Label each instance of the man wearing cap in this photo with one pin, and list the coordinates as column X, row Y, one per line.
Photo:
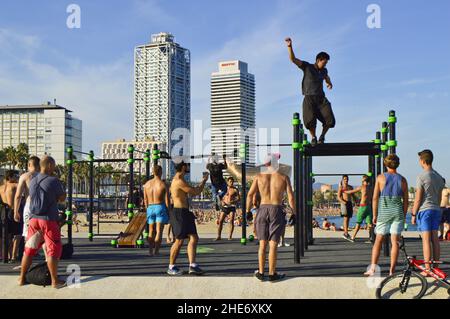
column 426, row 210
column 271, row 218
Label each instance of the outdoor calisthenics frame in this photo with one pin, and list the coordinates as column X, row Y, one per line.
column 303, row 153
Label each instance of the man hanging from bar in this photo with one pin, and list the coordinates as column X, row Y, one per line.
column 315, row 105
column 218, row 184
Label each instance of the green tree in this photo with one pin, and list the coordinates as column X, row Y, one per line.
column 11, row 156
column 22, row 155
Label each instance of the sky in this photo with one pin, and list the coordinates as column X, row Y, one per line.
column 403, row 65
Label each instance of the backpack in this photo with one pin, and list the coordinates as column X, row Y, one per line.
column 39, row 275
column 67, row 251
column 38, row 198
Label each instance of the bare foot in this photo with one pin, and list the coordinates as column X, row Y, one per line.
column 59, row 284
column 369, row 273
column 22, row 281
column 217, row 239
column 230, row 238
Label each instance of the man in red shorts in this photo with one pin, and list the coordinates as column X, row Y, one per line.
column 45, row 193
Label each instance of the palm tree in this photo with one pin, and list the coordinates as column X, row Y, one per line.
column 23, row 155
column 11, row 155
column 3, row 159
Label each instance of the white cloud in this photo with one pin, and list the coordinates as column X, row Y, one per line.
column 100, row 95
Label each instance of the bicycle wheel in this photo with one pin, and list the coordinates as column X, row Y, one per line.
column 390, row 287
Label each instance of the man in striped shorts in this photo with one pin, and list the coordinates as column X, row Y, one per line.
column 390, row 204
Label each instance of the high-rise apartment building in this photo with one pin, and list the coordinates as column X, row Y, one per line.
column 47, row 129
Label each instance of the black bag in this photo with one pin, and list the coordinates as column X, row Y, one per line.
column 39, row 275
column 67, row 251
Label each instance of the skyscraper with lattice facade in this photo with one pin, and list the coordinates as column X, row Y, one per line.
column 162, row 90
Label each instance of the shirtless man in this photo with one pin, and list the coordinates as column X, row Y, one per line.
column 445, row 208
column 182, row 220
column 23, row 191
column 346, row 204
column 271, row 219
column 229, row 202
column 156, row 199
column 365, row 206
column 8, row 191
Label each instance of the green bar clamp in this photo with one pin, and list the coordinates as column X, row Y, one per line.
column 392, row 119
column 69, row 150
column 146, row 159
column 377, row 141
column 139, row 242
column 155, row 152
column 377, row 156
column 296, row 145
column 369, row 174
column 305, row 142
column 69, row 162
column 384, row 147
column 130, row 149
column 113, row 242
column 391, row 143
column 69, row 222
column 130, row 161
column 130, row 215
column 311, row 174
column 68, row 213
column 384, row 130
column 295, row 121
column 145, row 235
column 90, row 235
column 131, row 206
column 309, row 203
column 155, row 157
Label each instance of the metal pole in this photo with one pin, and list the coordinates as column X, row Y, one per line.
column 392, row 143
column 297, row 146
column 131, row 188
column 310, row 211
column 243, row 155
column 384, row 151
column 303, row 187
column 378, row 156
column 147, row 178
column 91, row 196
column 69, row 194
column 5, row 241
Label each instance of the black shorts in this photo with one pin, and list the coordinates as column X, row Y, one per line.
column 347, row 209
column 445, row 215
column 317, row 107
column 14, row 228
column 228, row 209
column 183, row 223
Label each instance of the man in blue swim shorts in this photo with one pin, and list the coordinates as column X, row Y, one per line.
column 426, row 210
column 156, row 199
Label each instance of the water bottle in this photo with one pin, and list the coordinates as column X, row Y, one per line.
column 406, row 226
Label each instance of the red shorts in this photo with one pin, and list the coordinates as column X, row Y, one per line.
column 40, row 232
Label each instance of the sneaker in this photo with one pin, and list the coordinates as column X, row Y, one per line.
column 175, row 271
column 259, row 276
column 346, row 237
column 217, row 207
column 314, row 141
column 196, row 271
column 276, row 277
column 321, row 139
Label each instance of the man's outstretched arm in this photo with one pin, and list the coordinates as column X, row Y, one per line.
column 292, row 57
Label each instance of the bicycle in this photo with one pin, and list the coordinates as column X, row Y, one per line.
column 410, row 283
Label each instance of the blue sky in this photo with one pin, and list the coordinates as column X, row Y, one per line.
column 403, row 65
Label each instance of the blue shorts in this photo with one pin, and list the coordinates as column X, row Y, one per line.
column 429, row 220
column 219, row 190
column 157, row 213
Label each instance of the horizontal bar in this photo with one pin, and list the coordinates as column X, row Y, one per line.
column 314, row 174
column 266, row 145
column 105, row 185
column 342, row 149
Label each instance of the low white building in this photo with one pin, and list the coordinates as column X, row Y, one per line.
column 47, row 129
column 119, row 150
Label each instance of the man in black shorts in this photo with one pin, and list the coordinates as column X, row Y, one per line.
column 183, row 220
column 345, row 198
column 229, row 202
column 315, row 105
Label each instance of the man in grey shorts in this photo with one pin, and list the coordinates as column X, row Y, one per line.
column 271, row 219
column 315, row 105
